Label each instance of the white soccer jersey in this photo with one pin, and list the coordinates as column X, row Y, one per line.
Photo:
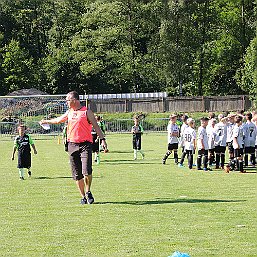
column 171, row 129
column 220, row 134
column 211, row 136
column 256, row 136
column 202, row 135
column 188, row 138
column 182, row 129
column 250, row 134
column 230, row 127
column 238, row 133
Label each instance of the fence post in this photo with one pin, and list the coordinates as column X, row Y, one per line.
column 243, row 102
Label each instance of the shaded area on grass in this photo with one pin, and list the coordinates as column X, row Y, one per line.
column 172, row 201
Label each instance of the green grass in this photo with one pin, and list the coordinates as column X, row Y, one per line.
column 142, row 208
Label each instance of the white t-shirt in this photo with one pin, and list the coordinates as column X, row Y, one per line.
column 238, row 133
column 172, row 128
column 202, row 135
column 211, row 136
column 230, row 127
column 220, row 134
column 188, row 138
column 250, row 134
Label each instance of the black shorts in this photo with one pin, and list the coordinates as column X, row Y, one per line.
column 230, row 148
column 220, row 149
column 24, row 160
column 202, row 152
column 249, row 149
column 136, row 143
column 239, row 152
column 173, row 146
column 80, row 159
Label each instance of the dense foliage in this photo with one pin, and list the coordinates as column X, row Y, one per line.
column 189, row 47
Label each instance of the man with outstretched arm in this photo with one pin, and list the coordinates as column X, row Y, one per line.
column 80, row 121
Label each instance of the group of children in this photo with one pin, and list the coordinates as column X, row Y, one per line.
column 212, row 139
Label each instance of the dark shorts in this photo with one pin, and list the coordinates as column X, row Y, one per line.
column 173, row 146
column 80, row 159
column 24, row 160
column 239, row 152
column 220, row 149
column 230, row 148
column 202, row 152
column 136, row 142
column 249, row 149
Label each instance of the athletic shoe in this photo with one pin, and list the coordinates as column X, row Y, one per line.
column 83, row 201
column 21, row 178
column 29, row 173
column 199, row 169
column 90, row 198
column 180, row 165
column 207, row 169
column 163, row 161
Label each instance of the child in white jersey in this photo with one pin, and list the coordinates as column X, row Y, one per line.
column 211, row 137
column 250, row 138
column 202, row 145
column 189, row 142
column 238, row 142
column 220, row 141
column 173, row 134
column 230, row 127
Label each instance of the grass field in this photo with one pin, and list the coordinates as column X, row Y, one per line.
column 142, row 208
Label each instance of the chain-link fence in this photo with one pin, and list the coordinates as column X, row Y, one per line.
column 29, row 110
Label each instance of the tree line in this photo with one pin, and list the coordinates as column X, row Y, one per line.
column 184, row 47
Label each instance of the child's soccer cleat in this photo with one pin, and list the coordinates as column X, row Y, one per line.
column 163, row 161
column 180, row 165
column 83, row 201
column 90, row 198
column 29, row 173
column 21, row 178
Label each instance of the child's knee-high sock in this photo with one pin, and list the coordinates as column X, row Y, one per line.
column 222, row 160
column 246, row 159
column 182, row 157
column 190, row 160
column 166, row 155
column 21, row 172
column 176, row 156
column 199, row 161
column 253, row 159
column 135, row 154
column 217, row 161
column 241, row 166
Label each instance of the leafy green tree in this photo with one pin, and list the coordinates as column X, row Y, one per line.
column 17, row 68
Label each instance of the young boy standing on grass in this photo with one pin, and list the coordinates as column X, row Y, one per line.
column 137, row 131
column 173, row 134
column 238, row 142
column 189, row 140
column 22, row 143
column 202, row 145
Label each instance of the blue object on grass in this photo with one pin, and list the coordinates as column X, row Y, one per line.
column 179, row 254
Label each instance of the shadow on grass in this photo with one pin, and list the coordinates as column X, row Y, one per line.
column 51, row 177
column 96, row 176
column 166, row 201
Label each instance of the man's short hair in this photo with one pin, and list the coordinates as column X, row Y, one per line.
column 74, row 95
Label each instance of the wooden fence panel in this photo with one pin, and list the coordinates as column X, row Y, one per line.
column 172, row 104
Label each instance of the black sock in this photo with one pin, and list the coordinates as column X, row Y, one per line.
column 166, row 155
column 217, row 161
column 246, row 160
